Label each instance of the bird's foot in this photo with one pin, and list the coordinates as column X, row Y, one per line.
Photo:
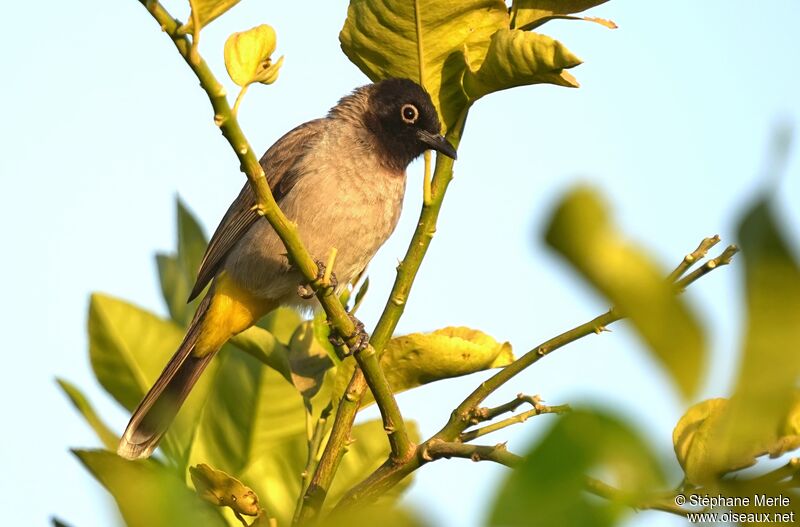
column 306, row 291
column 360, row 334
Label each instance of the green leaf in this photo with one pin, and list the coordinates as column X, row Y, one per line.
column 222, row 489
column 253, row 427
column 547, row 489
column 178, row 272
column 362, row 293
column 128, row 348
column 282, row 323
column 175, row 288
column 309, row 360
column 148, row 494
column 467, row 49
column 530, row 14
column 765, row 393
column 581, row 231
column 207, row 10
column 262, row 345
column 82, row 404
column 421, row 358
column 192, row 242
column 226, row 426
column 247, row 56
column 517, row 58
column 380, row 37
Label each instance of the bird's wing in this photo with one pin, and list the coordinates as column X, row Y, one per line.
column 279, row 163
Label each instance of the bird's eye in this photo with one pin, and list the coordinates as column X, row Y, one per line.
column 409, row 113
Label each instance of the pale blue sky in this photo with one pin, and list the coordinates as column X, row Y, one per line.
column 104, row 124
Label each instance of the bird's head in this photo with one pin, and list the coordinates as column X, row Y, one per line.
column 401, row 115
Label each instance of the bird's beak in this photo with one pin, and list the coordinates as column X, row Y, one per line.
column 437, row 142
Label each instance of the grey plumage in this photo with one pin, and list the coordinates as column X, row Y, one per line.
column 341, row 179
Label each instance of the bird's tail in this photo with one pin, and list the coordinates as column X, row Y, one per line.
column 158, row 409
column 226, row 310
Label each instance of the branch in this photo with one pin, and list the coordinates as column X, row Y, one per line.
column 790, row 470
column 598, row 488
column 317, row 491
column 723, row 259
column 693, row 257
column 538, row 409
column 287, row 230
column 437, row 449
column 388, row 474
column 479, row 415
column 314, row 443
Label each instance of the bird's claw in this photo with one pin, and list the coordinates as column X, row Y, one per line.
column 306, row 291
column 359, row 334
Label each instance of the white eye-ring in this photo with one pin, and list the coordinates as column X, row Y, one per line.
column 409, row 113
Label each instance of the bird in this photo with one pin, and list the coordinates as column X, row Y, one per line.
column 341, row 179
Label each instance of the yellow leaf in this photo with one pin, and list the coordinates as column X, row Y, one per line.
column 421, row 358
column 207, row 10
column 247, row 56
column 380, row 37
column 530, row 14
column 222, row 489
column 707, row 450
column 517, row 58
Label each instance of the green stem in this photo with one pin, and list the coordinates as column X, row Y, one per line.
column 470, row 435
column 435, row 449
column 235, row 110
column 314, row 443
column 598, row 488
column 317, row 491
column 693, row 257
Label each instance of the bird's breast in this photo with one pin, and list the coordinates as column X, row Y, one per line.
column 345, row 198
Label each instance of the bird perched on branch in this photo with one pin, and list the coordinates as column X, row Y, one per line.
column 341, row 179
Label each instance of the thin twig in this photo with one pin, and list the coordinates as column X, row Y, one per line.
column 479, row 415
column 790, row 470
column 598, row 488
column 710, row 265
column 314, row 444
column 437, row 449
column 539, row 409
column 693, row 257
column 315, row 494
